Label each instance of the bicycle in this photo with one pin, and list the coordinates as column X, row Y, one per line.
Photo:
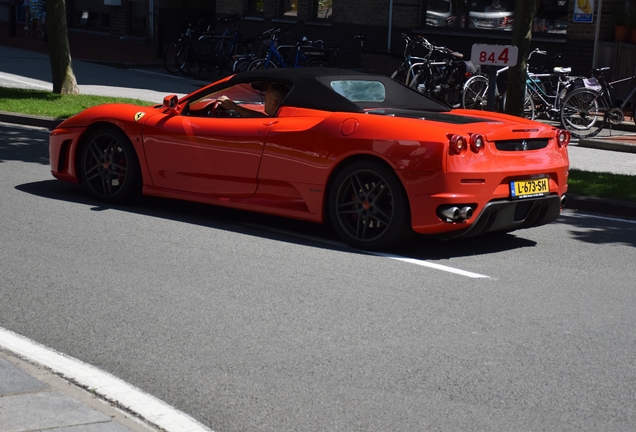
column 210, row 52
column 440, row 73
column 375, row 62
column 306, row 53
column 175, row 57
column 542, row 95
column 588, row 109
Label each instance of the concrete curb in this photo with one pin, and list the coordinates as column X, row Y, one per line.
column 601, row 205
column 29, row 120
column 607, row 144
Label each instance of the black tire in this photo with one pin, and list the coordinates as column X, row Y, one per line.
column 583, row 113
column 368, row 206
column 475, row 93
column 109, row 167
column 174, row 57
column 261, row 63
column 529, row 110
column 200, row 60
column 452, row 96
column 317, row 63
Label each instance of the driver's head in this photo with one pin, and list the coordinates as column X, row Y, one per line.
column 274, row 94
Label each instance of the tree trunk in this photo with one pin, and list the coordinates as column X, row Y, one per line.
column 64, row 81
column 521, row 38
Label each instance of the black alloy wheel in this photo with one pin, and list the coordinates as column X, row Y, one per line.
column 368, row 206
column 109, row 167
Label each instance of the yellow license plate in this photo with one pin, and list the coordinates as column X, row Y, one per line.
column 529, row 188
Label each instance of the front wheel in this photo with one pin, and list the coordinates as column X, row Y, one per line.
column 368, row 206
column 109, row 168
column 583, row 113
column 174, row 59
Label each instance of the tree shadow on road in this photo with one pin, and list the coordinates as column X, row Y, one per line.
column 600, row 229
column 16, row 145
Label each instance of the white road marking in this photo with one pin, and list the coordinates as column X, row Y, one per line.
column 433, row 266
column 570, row 213
column 395, row 257
column 102, row 383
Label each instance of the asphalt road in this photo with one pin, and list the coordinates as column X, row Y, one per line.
column 249, row 322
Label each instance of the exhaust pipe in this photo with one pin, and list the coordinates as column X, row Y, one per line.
column 451, row 213
column 564, row 200
column 466, row 213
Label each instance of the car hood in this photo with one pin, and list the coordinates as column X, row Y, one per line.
column 112, row 113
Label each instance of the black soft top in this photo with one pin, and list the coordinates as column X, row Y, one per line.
column 310, row 88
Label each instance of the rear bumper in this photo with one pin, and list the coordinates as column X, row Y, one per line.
column 510, row 215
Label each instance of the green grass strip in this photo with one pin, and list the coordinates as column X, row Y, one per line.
column 48, row 104
column 602, row 185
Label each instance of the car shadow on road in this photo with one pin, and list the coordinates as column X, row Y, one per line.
column 273, row 227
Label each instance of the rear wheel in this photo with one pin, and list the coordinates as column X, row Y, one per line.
column 475, row 93
column 261, row 63
column 200, row 68
column 529, row 110
column 583, row 113
column 109, row 167
column 317, row 63
column 368, row 206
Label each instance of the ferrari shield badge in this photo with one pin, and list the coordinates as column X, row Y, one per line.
column 139, row 115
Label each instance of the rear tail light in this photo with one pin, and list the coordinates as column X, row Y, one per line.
column 563, row 137
column 457, row 143
column 477, row 142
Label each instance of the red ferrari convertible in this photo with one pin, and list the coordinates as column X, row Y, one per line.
column 372, row 157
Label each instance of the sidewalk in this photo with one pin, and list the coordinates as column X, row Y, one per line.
column 91, row 46
column 33, row 398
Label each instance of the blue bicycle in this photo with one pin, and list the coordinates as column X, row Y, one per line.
column 304, row 53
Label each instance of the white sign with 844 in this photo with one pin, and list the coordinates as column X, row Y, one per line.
column 494, row 55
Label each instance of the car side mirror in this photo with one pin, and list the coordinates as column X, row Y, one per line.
column 171, row 104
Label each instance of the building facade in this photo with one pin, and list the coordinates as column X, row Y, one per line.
column 576, row 29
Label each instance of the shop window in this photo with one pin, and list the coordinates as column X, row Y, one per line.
column 446, row 13
column 255, row 7
column 322, row 9
column 551, row 17
column 289, row 8
column 496, row 15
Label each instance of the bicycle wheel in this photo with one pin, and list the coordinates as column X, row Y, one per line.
column 174, row 57
column 528, row 106
column 475, row 93
column 261, row 63
column 241, row 65
column 452, row 96
column 198, row 67
column 583, row 113
column 316, row 63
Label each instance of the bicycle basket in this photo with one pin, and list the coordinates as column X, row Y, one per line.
column 588, row 83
